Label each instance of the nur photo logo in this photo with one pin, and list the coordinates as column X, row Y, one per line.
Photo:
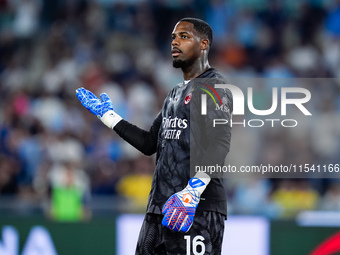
column 243, row 104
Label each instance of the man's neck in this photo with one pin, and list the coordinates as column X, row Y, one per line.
column 195, row 70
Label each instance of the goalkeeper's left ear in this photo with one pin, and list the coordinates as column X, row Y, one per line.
column 102, row 108
column 180, row 209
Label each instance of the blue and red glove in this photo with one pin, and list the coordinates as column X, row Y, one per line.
column 180, row 208
column 102, row 108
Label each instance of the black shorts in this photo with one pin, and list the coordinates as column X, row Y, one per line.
column 204, row 237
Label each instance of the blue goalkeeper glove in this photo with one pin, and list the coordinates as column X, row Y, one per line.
column 102, row 108
column 180, row 208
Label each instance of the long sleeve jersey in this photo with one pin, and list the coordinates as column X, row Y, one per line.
column 184, row 138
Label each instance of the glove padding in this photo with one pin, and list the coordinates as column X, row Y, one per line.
column 102, row 108
column 180, row 208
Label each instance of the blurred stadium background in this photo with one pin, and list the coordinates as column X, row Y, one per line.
column 69, row 181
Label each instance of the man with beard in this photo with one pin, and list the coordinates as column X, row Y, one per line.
column 184, row 214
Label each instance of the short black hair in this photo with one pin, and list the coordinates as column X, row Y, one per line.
column 201, row 27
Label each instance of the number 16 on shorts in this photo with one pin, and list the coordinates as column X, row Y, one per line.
column 198, row 247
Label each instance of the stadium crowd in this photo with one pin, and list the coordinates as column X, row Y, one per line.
column 50, row 48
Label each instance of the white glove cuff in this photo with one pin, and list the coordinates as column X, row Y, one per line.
column 111, row 119
column 199, row 182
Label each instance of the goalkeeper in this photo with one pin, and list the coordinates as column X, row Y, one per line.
column 184, row 215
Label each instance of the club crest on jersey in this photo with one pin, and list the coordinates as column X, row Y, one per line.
column 188, row 98
column 187, row 198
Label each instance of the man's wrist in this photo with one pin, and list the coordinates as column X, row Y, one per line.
column 110, row 119
column 199, row 182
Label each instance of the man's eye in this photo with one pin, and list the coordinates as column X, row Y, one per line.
column 184, row 36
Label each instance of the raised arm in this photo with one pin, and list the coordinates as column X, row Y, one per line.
column 142, row 140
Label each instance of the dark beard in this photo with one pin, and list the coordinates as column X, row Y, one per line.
column 177, row 63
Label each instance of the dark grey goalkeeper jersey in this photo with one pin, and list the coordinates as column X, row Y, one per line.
column 184, row 138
